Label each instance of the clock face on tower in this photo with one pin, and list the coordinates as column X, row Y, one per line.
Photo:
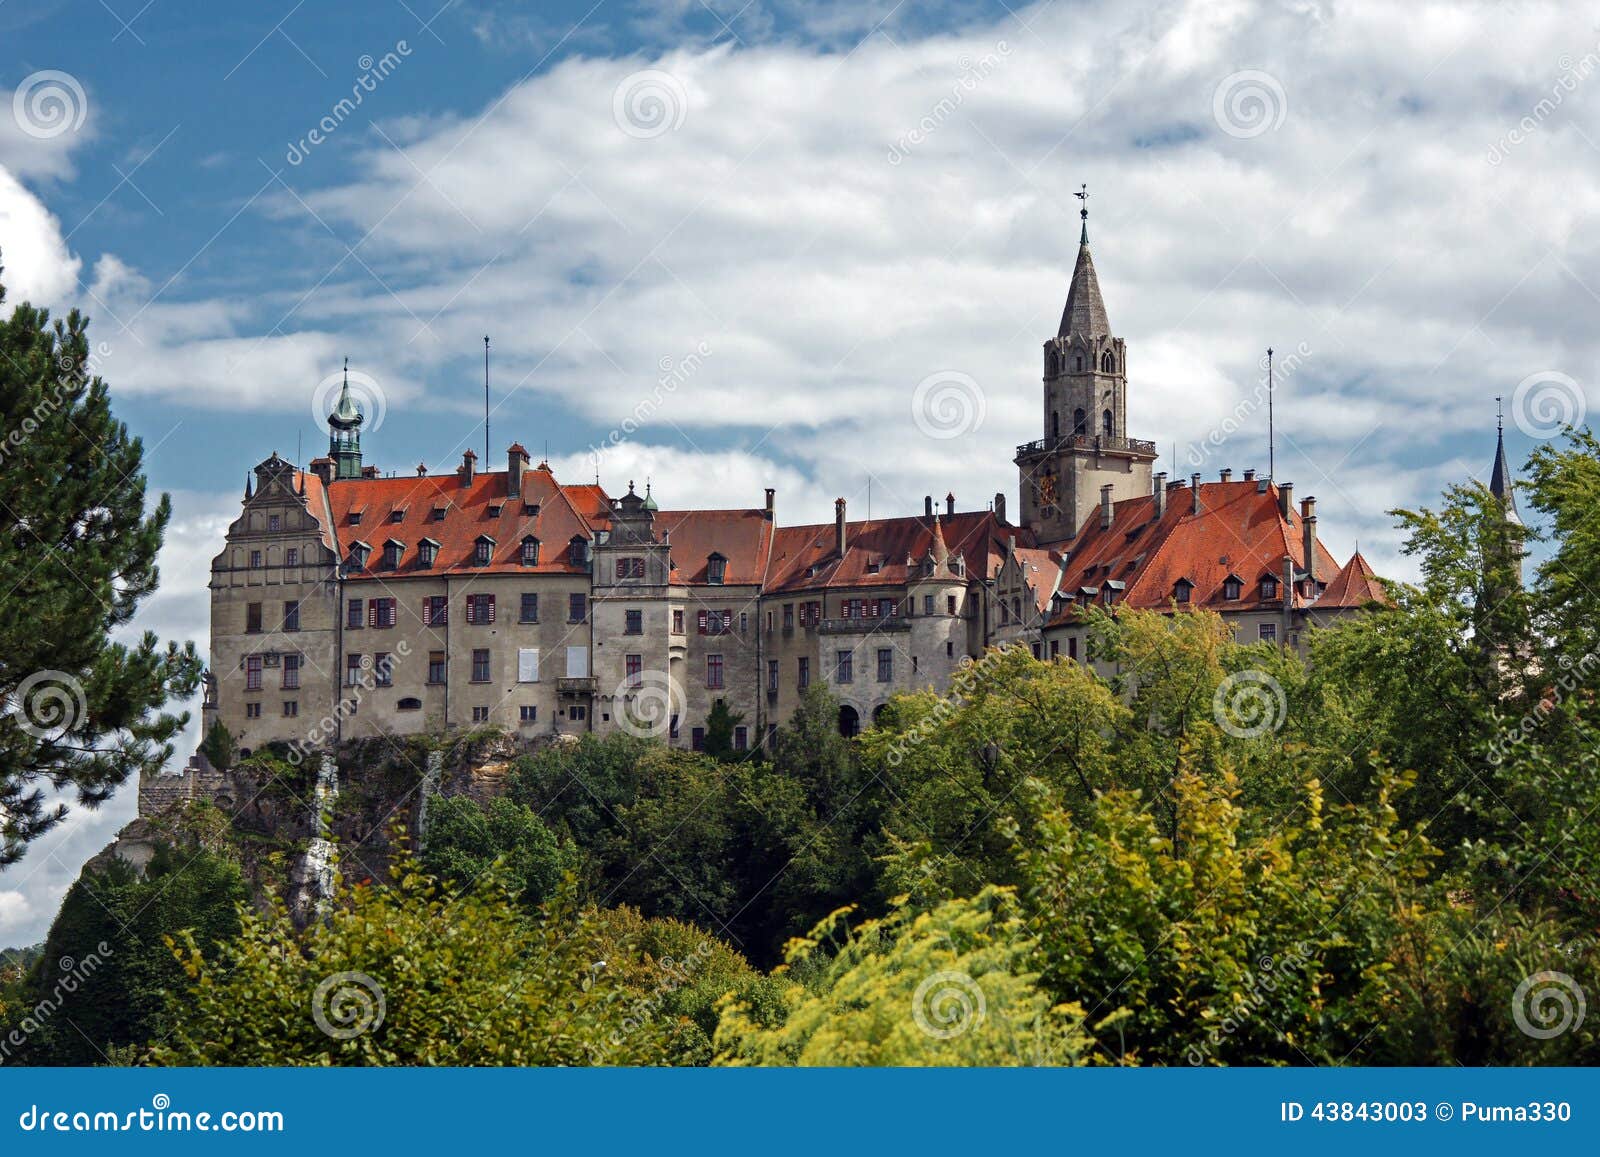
column 1047, row 493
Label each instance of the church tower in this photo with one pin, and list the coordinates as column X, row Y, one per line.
column 1085, row 445
column 344, row 432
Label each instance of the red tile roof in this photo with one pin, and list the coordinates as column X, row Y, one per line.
column 885, row 543
column 1041, row 567
column 743, row 537
column 1239, row 532
column 1354, row 586
column 467, row 515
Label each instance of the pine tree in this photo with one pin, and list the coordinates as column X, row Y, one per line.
column 77, row 557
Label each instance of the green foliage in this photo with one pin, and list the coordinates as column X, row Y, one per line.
column 409, row 974
column 719, row 732
column 466, row 839
column 218, row 746
column 950, row 986
column 78, row 556
column 106, row 970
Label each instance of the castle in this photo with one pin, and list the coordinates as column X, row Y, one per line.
column 345, row 604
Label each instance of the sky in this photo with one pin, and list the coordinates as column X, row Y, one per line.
column 725, row 245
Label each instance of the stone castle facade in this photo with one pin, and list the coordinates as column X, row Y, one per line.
column 345, row 604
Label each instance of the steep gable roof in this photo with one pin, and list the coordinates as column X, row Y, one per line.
column 1354, row 586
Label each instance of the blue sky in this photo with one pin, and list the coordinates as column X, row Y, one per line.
column 842, row 230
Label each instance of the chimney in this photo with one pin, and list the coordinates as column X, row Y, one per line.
column 1106, row 512
column 1000, row 507
column 468, row 467
column 838, row 527
column 1249, row 475
column 927, row 506
column 422, row 469
column 516, row 463
column 1194, row 484
column 1308, row 534
column 949, row 505
column 771, row 496
column 1288, row 600
column 1285, row 499
column 1161, row 494
column 1226, row 475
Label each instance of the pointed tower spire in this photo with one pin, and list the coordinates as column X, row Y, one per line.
column 1500, row 481
column 1085, row 314
column 249, row 493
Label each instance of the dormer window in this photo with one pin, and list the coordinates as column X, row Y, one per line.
column 398, row 514
column 392, row 550
column 355, row 518
column 873, row 567
column 427, row 552
column 494, row 509
column 530, row 508
column 530, row 551
column 577, row 551
column 716, row 569
column 358, row 554
column 1269, row 587
column 483, row 550
column 438, row 513
column 1231, row 588
column 1181, row 590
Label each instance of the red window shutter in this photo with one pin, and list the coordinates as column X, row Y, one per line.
column 490, row 599
column 372, row 613
column 703, row 618
column 472, row 608
column 427, row 611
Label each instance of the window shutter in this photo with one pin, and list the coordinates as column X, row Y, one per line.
column 427, row 611
column 372, row 613
column 491, row 607
column 577, row 662
column 703, row 622
column 527, row 664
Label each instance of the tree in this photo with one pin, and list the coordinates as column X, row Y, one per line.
column 218, row 746
column 466, row 839
column 408, row 973
column 719, row 732
column 76, row 559
column 950, row 986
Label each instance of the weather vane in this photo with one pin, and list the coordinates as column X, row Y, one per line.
column 1083, row 196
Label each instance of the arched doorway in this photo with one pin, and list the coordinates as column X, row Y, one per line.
column 849, row 721
column 877, row 713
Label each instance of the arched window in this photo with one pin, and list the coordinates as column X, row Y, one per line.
column 1080, row 363
column 1080, row 426
column 1106, row 421
column 1055, row 423
column 849, row 721
column 1108, row 363
column 409, row 704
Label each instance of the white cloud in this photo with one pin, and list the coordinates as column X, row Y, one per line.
column 37, row 264
column 14, row 910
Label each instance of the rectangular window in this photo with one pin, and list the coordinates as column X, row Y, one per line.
column 291, row 616
column 252, row 711
column 788, row 616
column 252, row 673
column 714, row 672
column 480, row 609
column 634, row 665
column 578, row 714
column 885, row 664
column 950, row 650
column 274, row 522
column 950, row 604
column 380, row 613
column 435, row 611
column 1037, row 653
column 528, row 713
column 927, row 604
column 255, row 559
column 1072, row 647
column 672, row 728
column 435, row 667
column 697, row 738
column 772, row 674
column 383, row 669
column 352, row 670
column 1269, row 632
column 677, row 622
column 1055, row 648
column 577, row 662
column 630, row 568
column 291, row 672
column 480, row 552
column 744, row 622
column 741, row 738
column 291, row 708
column 885, row 608
column 252, row 618
column 803, row 679
column 291, row 557
column 633, row 623
column 530, row 608
column 527, row 664
column 354, row 616
column 480, row 665
column 577, row 609
column 480, row 715
column 843, row 667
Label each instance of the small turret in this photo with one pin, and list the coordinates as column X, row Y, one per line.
column 344, row 432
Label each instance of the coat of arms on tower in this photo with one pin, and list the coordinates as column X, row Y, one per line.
column 1047, row 493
